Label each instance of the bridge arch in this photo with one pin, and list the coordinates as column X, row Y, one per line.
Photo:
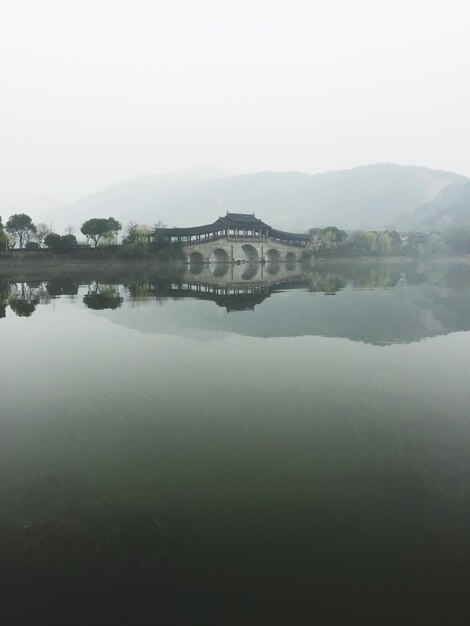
column 250, row 271
column 219, row 255
column 249, row 252
column 219, row 269
column 273, row 255
column 196, row 257
column 290, row 257
column 272, row 267
column 196, row 268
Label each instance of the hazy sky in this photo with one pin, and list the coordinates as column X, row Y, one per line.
column 96, row 91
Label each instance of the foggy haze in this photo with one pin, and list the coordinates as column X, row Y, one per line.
column 94, row 92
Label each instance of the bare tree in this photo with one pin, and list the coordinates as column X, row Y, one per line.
column 42, row 230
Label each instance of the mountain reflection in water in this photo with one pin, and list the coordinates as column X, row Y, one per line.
column 380, row 304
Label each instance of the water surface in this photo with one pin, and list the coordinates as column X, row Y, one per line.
column 235, row 444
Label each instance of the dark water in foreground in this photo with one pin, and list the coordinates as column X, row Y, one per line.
column 277, row 445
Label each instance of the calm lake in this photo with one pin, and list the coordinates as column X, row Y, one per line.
column 240, row 445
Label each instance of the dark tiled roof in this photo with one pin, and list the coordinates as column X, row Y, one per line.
column 232, row 221
column 192, row 230
column 243, row 220
column 280, row 234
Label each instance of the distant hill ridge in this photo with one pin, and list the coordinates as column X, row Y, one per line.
column 372, row 196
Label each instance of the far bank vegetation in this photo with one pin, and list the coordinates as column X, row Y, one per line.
column 105, row 237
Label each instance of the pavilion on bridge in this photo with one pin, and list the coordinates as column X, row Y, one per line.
column 233, row 226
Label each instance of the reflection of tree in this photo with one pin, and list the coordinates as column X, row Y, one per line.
column 22, row 308
column 139, row 290
column 149, row 288
column 334, row 280
column 62, row 287
column 373, row 277
column 458, row 276
column 102, row 297
column 24, row 298
column 328, row 282
column 21, row 297
column 4, row 293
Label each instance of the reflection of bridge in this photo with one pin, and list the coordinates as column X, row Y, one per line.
column 235, row 287
column 236, row 237
column 223, row 274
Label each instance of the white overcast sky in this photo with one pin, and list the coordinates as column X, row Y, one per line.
column 96, row 91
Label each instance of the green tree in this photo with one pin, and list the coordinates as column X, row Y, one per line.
column 332, row 237
column 52, row 241
column 435, row 245
column 369, row 242
column 60, row 243
column 137, row 233
column 3, row 238
column 68, row 242
column 98, row 228
column 326, row 239
column 31, row 245
column 21, row 227
column 395, row 238
column 384, row 243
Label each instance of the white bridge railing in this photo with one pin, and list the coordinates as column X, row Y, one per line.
column 247, row 239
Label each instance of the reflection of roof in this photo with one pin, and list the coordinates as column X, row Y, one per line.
column 232, row 221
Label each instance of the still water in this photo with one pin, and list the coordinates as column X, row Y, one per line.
column 235, row 445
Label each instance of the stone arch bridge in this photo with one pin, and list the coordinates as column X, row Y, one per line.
column 237, row 237
column 245, row 251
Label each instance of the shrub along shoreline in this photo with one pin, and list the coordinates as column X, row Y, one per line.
column 85, row 257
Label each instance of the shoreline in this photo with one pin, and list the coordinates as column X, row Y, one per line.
column 70, row 262
column 112, row 268
column 65, row 262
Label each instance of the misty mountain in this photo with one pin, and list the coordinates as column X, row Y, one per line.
column 449, row 209
column 369, row 196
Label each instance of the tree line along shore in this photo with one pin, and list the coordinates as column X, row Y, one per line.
column 104, row 239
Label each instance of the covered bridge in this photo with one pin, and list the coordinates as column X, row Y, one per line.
column 233, row 226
